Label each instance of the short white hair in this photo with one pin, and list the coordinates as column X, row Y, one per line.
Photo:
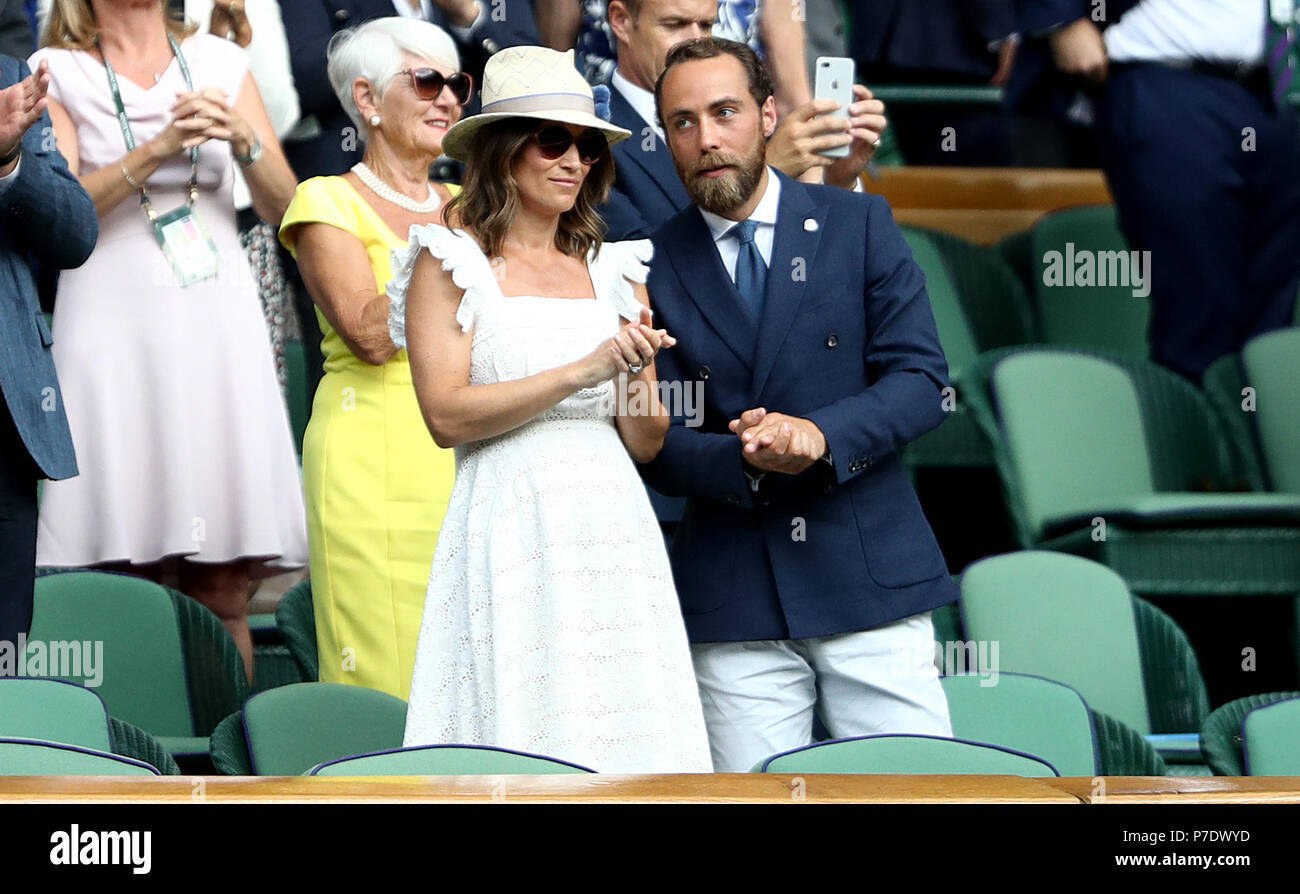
column 373, row 51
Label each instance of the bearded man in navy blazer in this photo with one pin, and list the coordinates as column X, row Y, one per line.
column 805, row 567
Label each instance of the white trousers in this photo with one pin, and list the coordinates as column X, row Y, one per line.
column 759, row 696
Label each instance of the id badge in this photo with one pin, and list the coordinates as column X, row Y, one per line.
column 187, row 245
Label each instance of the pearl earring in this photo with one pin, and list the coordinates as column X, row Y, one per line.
column 375, row 120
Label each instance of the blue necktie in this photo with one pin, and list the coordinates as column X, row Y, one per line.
column 751, row 272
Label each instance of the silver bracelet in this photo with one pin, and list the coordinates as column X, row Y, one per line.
column 127, row 174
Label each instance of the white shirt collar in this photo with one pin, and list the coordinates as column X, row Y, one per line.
column 406, row 11
column 764, row 211
column 640, row 99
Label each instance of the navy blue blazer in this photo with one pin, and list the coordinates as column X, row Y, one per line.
column 647, row 191
column 847, row 340
column 311, row 23
column 45, row 216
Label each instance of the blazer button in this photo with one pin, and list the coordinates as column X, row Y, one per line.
column 342, row 15
column 704, row 372
column 832, row 340
column 490, row 45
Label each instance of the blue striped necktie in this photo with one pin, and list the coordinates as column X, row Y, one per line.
column 751, row 271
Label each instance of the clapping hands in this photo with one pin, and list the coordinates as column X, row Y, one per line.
column 21, row 106
column 775, row 442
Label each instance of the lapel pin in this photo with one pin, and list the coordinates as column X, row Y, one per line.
column 810, row 225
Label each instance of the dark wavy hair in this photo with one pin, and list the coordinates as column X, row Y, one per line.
column 489, row 197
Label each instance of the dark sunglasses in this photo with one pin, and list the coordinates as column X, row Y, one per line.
column 428, row 83
column 554, row 140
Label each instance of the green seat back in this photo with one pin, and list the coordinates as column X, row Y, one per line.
column 954, row 329
column 1026, row 714
column 446, row 760
column 53, row 710
column 144, row 674
column 1062, row 617
column 1073, row 433
column 1270, row 739
column 19, row 757
column 1221, row 733
column 1100, row 316
column 296, row 618
column 906, row 755
column 1272, row 365
column 992, row 295
column 293, row 728
column 1223, row 383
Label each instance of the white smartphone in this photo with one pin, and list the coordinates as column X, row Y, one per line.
column 835, row 81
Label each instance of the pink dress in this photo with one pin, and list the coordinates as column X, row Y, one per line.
column 182, row 437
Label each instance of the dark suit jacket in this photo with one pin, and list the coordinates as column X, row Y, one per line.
column 44, row 215
column 647, row 191
column 311, row 23
column 15, row 30
column 847, row 340
column 940, row 35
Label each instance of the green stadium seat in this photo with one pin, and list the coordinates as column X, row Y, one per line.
column 1074, row 621
column 54, row 711
column 446, row 760
column 32, row 757
column 1026, row 714
column 288, row 730
column 296, row 618
column 1221, row 733
column 1105, row 316
column 1223, row 384
column 1270, row 739
column 169, row 666
column 1093, row 461
column 898, row 754
column 1272, row 368
column 957, row 441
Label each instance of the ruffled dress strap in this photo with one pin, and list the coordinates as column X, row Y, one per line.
column 460, row 254
column 626, row 262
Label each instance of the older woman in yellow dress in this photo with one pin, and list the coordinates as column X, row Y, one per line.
column 376, row 484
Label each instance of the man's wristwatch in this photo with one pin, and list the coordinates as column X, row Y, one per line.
column 12, row 156
column 254, row 153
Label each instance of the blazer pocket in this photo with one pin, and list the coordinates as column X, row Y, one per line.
column 46, row 338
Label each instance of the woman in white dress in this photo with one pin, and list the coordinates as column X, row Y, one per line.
column 551, row 624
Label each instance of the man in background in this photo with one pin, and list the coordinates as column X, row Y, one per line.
column 44, row 215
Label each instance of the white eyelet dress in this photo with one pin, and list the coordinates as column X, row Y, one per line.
column 551, row 624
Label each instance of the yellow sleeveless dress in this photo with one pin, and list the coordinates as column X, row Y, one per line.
column 376, row 484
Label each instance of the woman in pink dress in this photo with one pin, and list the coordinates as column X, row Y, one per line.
column 188, row 474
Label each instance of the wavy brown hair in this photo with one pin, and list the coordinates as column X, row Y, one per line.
column 489, row 197
column 72, row 25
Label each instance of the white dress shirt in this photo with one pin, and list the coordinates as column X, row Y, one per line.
column 764, row 214
column 8, row 179
column 1183, row 30
column 640, row 99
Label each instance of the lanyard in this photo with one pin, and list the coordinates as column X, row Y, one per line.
column 125, row 124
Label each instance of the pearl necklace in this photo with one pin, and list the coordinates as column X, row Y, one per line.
column 386, row 192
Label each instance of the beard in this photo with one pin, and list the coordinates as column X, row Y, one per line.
column 724, row 194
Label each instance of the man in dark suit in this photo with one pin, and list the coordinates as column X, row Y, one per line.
column 945, row 42
column 646, row 190
column 805, row 567
column 1199, row 142
column 46, row 215
column 318, row 147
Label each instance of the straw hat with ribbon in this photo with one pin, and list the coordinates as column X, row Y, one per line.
column 534, row 82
